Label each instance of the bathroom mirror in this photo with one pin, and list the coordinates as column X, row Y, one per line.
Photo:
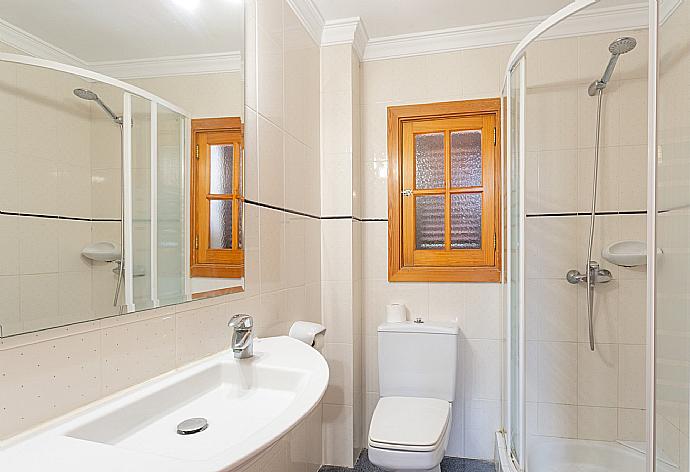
column 106, row 111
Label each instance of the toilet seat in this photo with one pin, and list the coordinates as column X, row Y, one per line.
column 409, row 424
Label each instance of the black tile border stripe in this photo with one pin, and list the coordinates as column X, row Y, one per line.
column 57, row 217
column 309, row 215
column 599, row 213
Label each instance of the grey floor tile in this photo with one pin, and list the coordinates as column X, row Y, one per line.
column 449, row 464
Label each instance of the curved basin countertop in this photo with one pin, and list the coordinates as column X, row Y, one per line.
column 249, row 404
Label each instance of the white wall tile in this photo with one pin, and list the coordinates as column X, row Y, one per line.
column 273, row 257
column 337, row 434
column 124, row 346
column 631, row 376
column 631, row 424
column 270, row 59
column 482, row 311
column 557, row 420
column 73, row 237
column 9, row 245
column 632, row 313
column 558, row 372
column 482, row 360
column 340, row 383
column 336, row 309
column 447, row 302
column 336, row 182
column 598, row 375
column 271, row 164
column 10, row 299
column 45, row 380
column 597, row 423
column 336, row 250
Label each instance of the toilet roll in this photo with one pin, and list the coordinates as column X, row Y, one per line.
column 396, row 313
column 309, row 333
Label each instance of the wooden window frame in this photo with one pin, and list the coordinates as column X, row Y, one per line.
column 398, row 116
column 206, row 262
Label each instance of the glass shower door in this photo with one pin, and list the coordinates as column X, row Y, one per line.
column 515, row 263
column 672, row 268
column 171, row 206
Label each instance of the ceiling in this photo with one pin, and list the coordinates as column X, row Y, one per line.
column 121, row 30
column 395, row 17
column 125, row 30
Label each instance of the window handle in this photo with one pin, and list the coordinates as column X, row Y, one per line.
column 406, row 192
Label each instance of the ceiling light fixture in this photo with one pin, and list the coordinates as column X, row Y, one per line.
column 187, row 4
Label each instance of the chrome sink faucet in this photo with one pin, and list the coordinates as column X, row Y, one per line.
column 242, row 336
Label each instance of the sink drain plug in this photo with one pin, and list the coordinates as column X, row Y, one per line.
column 192, row 426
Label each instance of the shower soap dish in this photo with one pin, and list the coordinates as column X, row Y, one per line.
column 103, row 251
column 626, row 253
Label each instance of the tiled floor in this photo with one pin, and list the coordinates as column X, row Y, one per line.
column 449, row 464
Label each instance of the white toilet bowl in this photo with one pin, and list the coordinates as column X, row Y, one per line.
column 409, row 434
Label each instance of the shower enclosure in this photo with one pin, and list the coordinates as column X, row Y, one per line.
column 102, row 165
column 597, row 158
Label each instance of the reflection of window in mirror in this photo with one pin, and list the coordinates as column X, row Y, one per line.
column 217, row 198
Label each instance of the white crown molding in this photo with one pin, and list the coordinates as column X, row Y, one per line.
column 626, row 17
column 35, row 46
column 346, row 31
column 310, row 16
column 168, row 66
column 130, row 69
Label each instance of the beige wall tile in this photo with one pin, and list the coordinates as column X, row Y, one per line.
column 597, row 423
column 132, row 353
column 337, row 434
column 598, row 375
column 557, row 420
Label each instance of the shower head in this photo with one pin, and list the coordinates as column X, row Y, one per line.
column 620, row 46
column 86, row 94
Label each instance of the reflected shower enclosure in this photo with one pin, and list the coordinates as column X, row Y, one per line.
column 95, row 198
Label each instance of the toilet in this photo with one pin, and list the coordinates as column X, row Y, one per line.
column 411, row 423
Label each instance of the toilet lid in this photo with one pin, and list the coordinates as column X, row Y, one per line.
column 409, row 423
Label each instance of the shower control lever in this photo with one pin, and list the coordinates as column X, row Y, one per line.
column 597, row 275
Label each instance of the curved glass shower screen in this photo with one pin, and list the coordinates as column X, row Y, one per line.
column 561, row 395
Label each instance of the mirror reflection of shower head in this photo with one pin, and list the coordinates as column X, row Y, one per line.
column 616, row 48
column 86, row 94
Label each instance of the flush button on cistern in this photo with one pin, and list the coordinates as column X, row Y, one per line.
column 419, row 320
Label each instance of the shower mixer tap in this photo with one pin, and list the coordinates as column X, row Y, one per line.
column 597, row 275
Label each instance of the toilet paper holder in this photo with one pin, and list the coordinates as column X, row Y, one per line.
column 308, row 332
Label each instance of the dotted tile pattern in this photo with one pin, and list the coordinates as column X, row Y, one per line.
column 449, row 464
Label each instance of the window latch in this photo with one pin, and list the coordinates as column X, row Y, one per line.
column 406, row 192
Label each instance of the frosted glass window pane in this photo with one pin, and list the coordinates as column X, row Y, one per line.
column 221, row 224
column 466, row 221
column 429, row 161
column 240, row 177
column 466, row 158
column 240, row 224
column 430, row 222
column 221, row 168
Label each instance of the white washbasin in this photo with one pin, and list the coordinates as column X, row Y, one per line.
column 248, row 403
